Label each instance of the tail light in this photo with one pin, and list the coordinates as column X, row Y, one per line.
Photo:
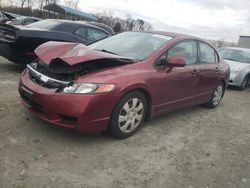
column 7, row 35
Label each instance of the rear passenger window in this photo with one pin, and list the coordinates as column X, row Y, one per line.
column 186, row 50
column 82, row 32
column 94, row 34
column 90, row 34
column 207, row 54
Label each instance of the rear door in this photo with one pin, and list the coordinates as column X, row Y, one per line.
column 209, row 69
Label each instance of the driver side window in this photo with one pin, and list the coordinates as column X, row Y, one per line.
column 186, row 50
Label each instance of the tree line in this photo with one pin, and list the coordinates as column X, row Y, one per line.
column 25, row 8
column 123, row 24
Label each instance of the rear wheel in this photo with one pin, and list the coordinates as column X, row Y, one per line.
column 128, row 115
column 216, row 96
column 245, row 83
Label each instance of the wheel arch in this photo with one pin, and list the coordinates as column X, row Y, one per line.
column 149, row 102
column 145, row 91
column 248, row 75
column 225, row 85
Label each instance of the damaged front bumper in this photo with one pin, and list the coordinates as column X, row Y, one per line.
column 86, row 113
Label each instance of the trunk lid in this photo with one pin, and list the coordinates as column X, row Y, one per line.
column 7, row 33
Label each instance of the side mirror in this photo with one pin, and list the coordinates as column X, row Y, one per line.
column 161, row 62
column 177, row 62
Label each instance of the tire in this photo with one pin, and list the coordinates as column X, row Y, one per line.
column 128, row 115
column 244, row 83
column 216, row 96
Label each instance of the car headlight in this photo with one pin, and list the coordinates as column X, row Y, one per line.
column 84, row 88
column 238, row 69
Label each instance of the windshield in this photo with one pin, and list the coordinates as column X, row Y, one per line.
column 133, row 45
column 46, row 24
column 236, row 55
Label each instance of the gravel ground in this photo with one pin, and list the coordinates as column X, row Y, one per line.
column 196, row 147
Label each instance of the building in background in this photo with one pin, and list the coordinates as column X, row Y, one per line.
column 69, row 13
column 244, row 42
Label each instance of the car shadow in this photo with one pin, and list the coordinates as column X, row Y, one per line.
column 68, row 135
column 235, row 88
column 177, row 114
column 9, row 67
column 76, row 137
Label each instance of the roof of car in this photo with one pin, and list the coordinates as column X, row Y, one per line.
column 238, row 48
column 23, row 17
column 171, row 34
column 79, row 23
column 101, row 25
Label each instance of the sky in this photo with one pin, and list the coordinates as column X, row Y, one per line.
column 210, row 19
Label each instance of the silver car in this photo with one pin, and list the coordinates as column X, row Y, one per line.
column 239, row 62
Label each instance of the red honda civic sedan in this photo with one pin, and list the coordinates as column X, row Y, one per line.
column 117, row 83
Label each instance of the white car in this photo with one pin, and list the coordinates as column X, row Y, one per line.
column 239, row 62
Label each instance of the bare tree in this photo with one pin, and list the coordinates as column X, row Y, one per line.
column 41, row 3
column 23, row 2
column 117, row 27
column 30, row 3
column 76, row 2
column 147, row 27
column 120, row 25
column 141, row 23
column 6, row 3
column 72, row 3
column 220, row 43
column 47, row 2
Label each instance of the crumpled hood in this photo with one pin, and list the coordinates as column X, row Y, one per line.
column 70, row 53
column 235, row 64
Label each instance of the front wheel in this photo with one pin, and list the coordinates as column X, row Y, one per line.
column 216, row 96
column 128, row 115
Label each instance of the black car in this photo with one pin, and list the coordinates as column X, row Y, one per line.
column 17, row 43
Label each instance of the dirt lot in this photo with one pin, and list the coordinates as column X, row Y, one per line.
column 196, row 147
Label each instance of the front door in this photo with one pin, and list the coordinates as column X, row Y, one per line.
column 177, row 85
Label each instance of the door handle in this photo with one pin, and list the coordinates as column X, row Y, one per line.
column 216, row 70
column 195, row 72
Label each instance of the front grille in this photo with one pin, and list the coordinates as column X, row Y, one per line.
column 47, row 71
column 44, row 80
column 68, row 118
